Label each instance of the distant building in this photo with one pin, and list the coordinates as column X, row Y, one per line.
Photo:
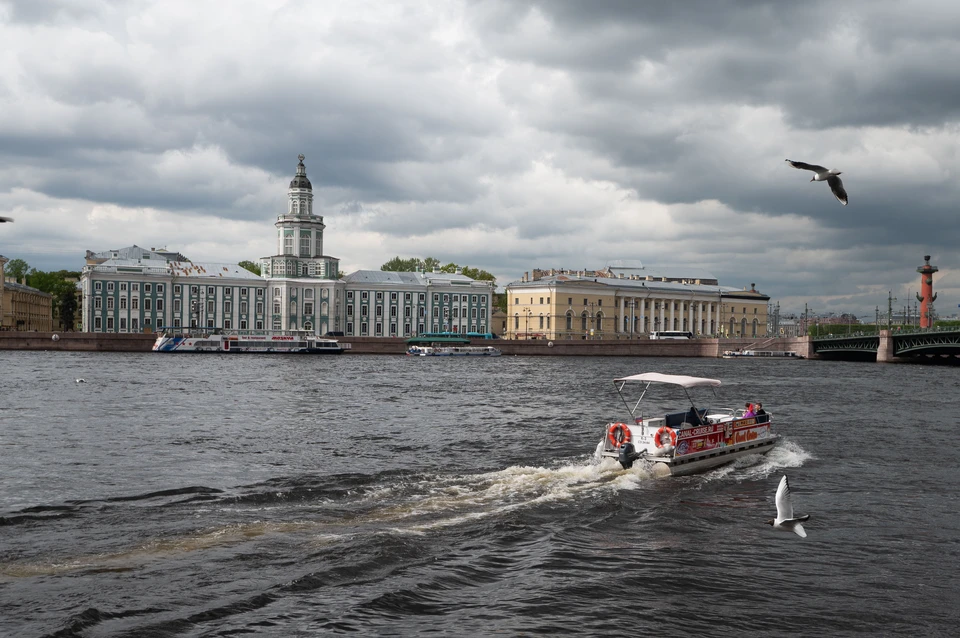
column 134, row 289
column 622, row 307
column 23, row 308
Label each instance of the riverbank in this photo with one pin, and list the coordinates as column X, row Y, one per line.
column 99, row 342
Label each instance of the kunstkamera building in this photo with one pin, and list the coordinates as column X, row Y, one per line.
column 300, row 288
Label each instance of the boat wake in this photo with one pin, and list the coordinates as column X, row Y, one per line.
column 785, row 454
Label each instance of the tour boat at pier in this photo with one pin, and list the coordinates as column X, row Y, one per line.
column 246, row 341
column 774, row 354
column 447, row 346
column 686, row 442
column 453, row 351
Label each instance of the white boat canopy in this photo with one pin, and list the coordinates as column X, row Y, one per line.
column 673, row 379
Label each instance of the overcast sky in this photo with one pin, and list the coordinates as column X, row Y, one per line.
column 505, row 135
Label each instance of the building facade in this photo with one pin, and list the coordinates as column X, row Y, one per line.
column 134, row 289
column 624, row 307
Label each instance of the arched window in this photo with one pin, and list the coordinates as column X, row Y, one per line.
column 294, row 208
column 583, row 321
column 754, row 328
column 516, row 322
column 307, row 326
column 743, row 327
column 569, row 320
column 733, row 327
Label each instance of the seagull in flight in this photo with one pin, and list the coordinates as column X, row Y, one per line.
column 785, row 520
column 824, row 175
column 5, row 219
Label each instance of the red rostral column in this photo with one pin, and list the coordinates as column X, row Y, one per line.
column 926, row 295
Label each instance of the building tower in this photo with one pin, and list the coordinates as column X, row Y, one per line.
column 926, row 296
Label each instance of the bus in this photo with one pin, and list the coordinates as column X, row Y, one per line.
column 671, row 334
column 481, row 335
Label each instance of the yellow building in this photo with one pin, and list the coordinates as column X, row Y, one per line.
column 3, row 262
column 24, row 308
column 621, row 305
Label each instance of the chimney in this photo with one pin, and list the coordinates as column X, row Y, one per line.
column 753, row 287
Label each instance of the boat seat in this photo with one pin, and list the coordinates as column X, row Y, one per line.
column 674, row 420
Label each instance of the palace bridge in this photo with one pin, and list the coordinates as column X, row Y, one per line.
column 912, row 344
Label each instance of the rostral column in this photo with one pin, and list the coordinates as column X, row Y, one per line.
column 926, row 296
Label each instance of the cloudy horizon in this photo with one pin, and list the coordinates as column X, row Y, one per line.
column 505, row 135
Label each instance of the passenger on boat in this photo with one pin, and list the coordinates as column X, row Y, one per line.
column 759, row 411
column 748, row 411
column 693, row 417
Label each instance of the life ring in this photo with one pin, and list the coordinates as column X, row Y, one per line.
column 665, row 430
column 618, row 434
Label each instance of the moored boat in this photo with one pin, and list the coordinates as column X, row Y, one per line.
column 246, row 341
column 686, row 442
column 774, row 354
column 447, row 346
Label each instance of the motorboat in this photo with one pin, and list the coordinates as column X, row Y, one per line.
column 771, row 354
column 246, row 341
column 684, row 442
column 432, row 345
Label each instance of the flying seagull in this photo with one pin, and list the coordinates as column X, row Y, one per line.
column 785, row 520
column 824, row 175
column 5, row 219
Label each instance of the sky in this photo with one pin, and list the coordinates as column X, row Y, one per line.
column 503, row 135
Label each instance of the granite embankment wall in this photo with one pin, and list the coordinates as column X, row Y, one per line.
column 94, row 342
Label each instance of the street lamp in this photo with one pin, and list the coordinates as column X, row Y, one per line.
column 529, row 314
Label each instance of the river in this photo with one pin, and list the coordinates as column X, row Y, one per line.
column 219, row 495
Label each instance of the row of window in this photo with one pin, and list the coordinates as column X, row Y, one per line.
column 121, row 323
column 378, row 329
column 644, row 304
column 177, row 289
column 421, row 297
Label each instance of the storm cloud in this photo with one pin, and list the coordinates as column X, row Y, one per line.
column 502, row 135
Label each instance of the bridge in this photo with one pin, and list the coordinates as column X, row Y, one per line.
column 915, row 344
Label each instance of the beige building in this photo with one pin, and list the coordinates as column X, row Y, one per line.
column 616, row 304
column 24, row 308
column 3, row 262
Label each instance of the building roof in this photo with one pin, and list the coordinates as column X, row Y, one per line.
column 637, row 286
column 188, row 269
column 388, row 277
column 300, row 179
column 9, row 285
column 136, row 252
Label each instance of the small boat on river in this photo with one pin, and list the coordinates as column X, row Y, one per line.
column 245, row 341
column 433, row 346
column 686, row 442
column 772, row 354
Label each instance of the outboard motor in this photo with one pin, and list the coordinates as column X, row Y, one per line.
column 628, row 454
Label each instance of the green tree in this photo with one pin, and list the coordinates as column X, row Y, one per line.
column 16, row 268
column 67, row 300
column 249, row 265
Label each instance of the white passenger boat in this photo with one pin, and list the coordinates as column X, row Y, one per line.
column 431, row 345
column 246, row 341
column 453, row 351
column 774, row 354
column 687, row 442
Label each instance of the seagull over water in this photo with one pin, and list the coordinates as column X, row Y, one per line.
column 785, row 520
column 824, row 175
column 5, row 219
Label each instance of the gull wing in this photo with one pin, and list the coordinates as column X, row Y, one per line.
column 837, row 187
column 784, row 505
column 807, row 167
column 798, row 529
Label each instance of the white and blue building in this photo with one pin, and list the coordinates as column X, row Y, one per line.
column 135, row 290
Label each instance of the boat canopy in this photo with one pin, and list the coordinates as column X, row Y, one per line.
column 673, row 379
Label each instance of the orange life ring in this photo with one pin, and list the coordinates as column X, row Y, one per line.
column 618, row 434
column 665, row 430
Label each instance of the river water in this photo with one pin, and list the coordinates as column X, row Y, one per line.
column 219, row 495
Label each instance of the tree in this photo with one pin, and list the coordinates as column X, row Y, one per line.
column 68, row 306
column 398, row 264
column 17, row 268
column 249, row 265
